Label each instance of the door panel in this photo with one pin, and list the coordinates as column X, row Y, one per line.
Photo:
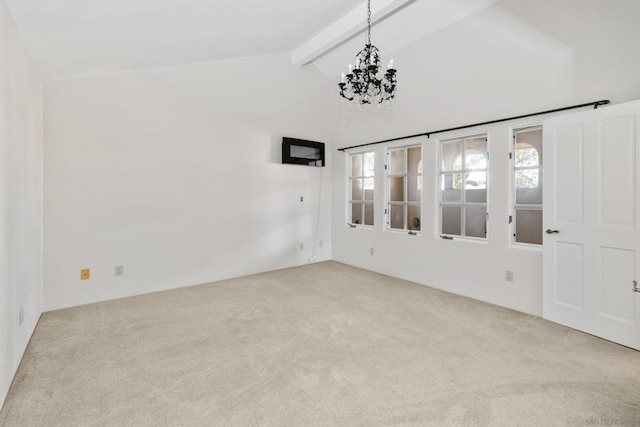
column 569, row 170
column 616, row 148
column 591, row 193
column 569, row 259
column 617, row 270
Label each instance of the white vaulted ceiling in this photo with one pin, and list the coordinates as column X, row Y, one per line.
column 69, row 38
column 77, row 37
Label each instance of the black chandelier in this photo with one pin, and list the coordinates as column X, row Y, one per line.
column 366, row 83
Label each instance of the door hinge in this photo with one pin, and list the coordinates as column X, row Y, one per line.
column 510, row 156
column 385, row 167
column 510, row 219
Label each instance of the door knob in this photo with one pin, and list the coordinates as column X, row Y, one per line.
column 550, row 231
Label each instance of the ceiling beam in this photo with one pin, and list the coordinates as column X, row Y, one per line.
column 343, row 29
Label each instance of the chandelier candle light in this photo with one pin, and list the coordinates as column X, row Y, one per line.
column 366, row 83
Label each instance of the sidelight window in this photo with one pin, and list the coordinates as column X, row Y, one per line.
column 526, row 218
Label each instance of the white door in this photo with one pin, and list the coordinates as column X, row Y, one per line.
column 592, row 239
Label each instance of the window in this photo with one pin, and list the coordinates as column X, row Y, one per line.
column 526, row 219
column 463, row 187
column 361, row 185
column 404, row 183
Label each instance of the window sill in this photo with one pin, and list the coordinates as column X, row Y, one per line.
column 359, row 226
column 526, row 247
column 463, row 240
column 396, row 231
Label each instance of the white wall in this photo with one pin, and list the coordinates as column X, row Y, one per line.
column 175, row 173
column 494, row 64
column 20, row 199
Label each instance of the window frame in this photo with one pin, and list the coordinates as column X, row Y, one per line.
column 349, row 190
column 406, row 176
column 513, row 206
column 462, row 203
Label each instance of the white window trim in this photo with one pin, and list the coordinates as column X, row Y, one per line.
column 388, row 203
column 511, row 215
column 438, row 192
column 348, row 189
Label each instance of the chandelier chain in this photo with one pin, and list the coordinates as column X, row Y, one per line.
column 369, row 21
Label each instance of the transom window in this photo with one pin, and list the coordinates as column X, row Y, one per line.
column 404, row 184
column 527, row 186
column 463, row 187
column 361, row 188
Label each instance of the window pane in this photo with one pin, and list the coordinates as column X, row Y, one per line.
column 356, row 189
column 451, row 220
column 526, row 155
column 397, row 217
column 396, row 158
column 528, row 178
column 475, row 221
column 368, row 213
column 529, row 148
column 476, row 187
column 413, row 218
column 450, row 185
column 529, row 226
column 476, row 153
column 414, row 155
column 356, row 213
column 475, row 180
column 414, row 189
column 396, row 189
column 369, row 163
column 451, row 154
column 528, row 195
column 356, row 165
column 476, row 196
column 368, row 189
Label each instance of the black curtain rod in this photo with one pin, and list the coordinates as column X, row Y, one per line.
column 595, row 104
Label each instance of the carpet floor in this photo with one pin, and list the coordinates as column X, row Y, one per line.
column 323, row 344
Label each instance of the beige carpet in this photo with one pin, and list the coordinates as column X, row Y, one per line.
column 324, row 344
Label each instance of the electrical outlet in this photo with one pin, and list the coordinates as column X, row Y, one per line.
column 508, row 276
column 301, row 199
column 85, row 274
column 371, row 252
column 119, row 270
